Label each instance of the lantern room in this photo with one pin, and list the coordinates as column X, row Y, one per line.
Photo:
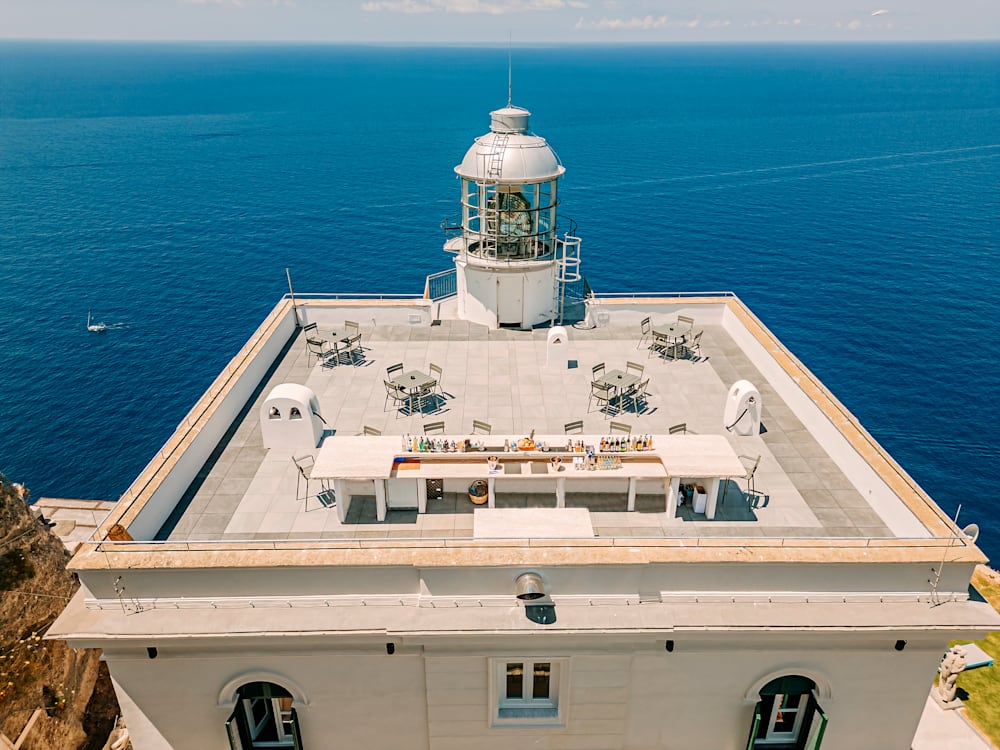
column 511, row 263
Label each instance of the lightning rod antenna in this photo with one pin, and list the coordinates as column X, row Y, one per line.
column 510, row 78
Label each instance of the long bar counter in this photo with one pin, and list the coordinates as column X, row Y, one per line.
column 388, row 468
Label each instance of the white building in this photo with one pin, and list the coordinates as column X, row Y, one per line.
column 267, row 582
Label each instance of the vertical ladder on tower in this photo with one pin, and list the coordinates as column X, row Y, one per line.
column 489, row 225
column 489, row 219
column 494, row 167
column 568, row 272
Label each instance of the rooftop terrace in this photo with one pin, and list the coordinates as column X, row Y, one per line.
column 247, row 492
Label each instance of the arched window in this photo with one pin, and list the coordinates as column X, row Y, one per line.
column 295, row 413
column 263, row 717
column 274, row 413
column 788, row 716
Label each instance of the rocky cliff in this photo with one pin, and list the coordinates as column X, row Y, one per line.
column 71, row 686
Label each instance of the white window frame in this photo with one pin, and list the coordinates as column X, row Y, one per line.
column 772, row 734
column 529, row 711
column 275, row 717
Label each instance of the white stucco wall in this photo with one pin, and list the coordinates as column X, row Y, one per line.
column 676, row 581
column 176, row 481
column 619, row 695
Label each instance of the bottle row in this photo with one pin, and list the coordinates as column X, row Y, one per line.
column 618, row 444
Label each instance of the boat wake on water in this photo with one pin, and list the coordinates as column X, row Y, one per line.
column 95, row 327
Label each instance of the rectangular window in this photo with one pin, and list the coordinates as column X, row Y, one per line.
column 515, row 680
column 526, row 692
column 543, row 674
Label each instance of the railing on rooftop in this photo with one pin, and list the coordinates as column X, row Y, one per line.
column 300, row 296
column 441, row 285
column 661, row 295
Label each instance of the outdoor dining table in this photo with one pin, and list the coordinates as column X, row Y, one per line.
column 413, row 382
column 335, row 336
column 673, row 333
column 619, row 380
column 316, row 339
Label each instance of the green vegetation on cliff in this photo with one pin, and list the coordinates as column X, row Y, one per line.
column 980, row 688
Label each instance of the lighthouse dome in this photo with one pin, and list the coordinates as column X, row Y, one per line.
column 509, row 153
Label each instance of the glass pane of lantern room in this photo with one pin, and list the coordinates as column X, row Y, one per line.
column 545, row 209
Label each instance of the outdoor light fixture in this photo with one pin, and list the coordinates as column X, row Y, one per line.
column 390, row 648
column 151, row 652
column 528, row 587
column 670, row 645
column 900, row 645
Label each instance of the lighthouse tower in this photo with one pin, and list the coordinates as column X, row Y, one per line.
column 511, row 266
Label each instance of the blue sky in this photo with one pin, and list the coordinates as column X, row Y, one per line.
column 524, row 21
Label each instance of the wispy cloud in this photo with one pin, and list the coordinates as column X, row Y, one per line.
column 613, row 24
column 488, row 7
column 648, row 23
column 765, row 22
column 398, row 6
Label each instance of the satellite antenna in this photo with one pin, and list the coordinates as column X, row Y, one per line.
column 971, row 532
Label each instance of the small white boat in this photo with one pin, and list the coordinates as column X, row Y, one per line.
column 95, row 327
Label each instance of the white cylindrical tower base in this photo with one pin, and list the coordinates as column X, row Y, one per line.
column 511, row 295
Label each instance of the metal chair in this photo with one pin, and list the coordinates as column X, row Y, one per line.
column 305, row 465
column 419, row 397
column 353, row 349
column 434, row 428
column 315, row 344
column 436, row 372
column 352, row 329
column 393, row 370
column 481, row 428
column 317, row 348
column 694, row 345
column 602, row 393
column 396, row 394
column 750, row 464
column 311, row 331
column 371, row 431
column 621, row 428
column 689, row 322
column 598, row 371
column 678, row 429
column 646, row 329
column 574, row 428
column 634, row 368
column 637, row 394
column 334, row 351
column 659, row 346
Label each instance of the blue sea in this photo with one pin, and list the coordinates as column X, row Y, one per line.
column 849, row 194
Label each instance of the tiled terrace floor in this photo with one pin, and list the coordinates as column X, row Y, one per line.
column 247, row 492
